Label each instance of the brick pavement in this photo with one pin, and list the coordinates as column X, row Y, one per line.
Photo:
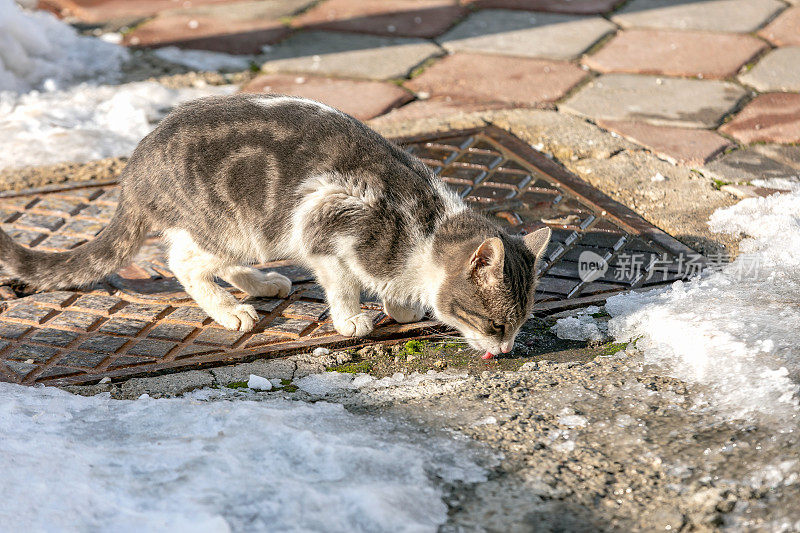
column 696, row 82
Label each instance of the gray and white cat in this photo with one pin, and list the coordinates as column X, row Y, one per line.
column 230, row 181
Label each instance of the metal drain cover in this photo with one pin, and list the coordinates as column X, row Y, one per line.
column 140, row 322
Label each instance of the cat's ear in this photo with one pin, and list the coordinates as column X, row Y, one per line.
column 537, row 242
column 487, row 260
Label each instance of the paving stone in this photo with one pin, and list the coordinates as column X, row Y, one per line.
column 237, row 28
column 39, row 354
column 484, row 78
column 767, row 118
column 20, row 368
column 747, row 165
column 659, row 101
column 13, row 331
column 222, row 337
column 143, row 311
column 97, row 303
column 290, row 326
column 749, row 191
column 106, row 10
column 401, row 18
column 676, row 53
column 187, row 314
column 430, row 108
column 513, row 33
column 173, row 332
column 785, row 29
column 374, row 98
column 350, row 55
column 741, row 16
column 788, row 155
column 677, row 145
column 576, row 7
column 308, row 310
column 123, row 326
column 779, row 70
column 57, row 299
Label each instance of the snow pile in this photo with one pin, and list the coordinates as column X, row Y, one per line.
column 37, row 50
column 85, row 122
column 206, row 463
column 734, row 330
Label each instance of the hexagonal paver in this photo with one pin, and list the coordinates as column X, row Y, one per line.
column 575, row 7
column 767, row 118
column 484, row 78
column 779, row 70
column 678, row 145
column 544, row 35
column 345, row 54
column 785, row 29
column 374, row 98
column 741, row 16
column 676, row 53
column 748, row 165
column 106, row 10
column 659, row 101
column 238, row 28
column 401, row 18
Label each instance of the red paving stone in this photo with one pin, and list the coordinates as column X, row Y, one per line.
column 676, row 53
column 402, row 18
column 679, row 145
column 773, row 117
column 374, row 98
column 512, row 80
column 575, row 7
column 785, row 29
column 103, row 10
column 208, row 32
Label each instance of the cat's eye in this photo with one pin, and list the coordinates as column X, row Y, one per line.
column 497, row 327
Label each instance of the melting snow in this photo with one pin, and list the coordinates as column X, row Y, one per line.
column 734, row 330
column 207, row 463
column 38, row 50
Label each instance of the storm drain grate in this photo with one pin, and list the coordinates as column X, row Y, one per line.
column 140, row 322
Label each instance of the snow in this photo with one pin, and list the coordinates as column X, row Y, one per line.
column 85, row 122
column 202, row 60
column 259, row 383
column 320, row 352
column 211, row 462
column 38, row 50
column 735, row 330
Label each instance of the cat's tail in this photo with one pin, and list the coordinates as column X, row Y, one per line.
column 113, row 248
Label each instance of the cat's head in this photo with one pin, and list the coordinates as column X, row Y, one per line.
column 488, row 290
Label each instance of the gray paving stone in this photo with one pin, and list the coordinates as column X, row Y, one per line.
column 779, row 70
column 742, row 16
column 747, row 165
column 788, row 155
column 342, row 54
column 517, row 33
column 659, row 101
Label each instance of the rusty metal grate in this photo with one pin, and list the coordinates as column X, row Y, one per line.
column 140, row 321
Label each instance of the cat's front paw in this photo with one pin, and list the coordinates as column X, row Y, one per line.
column 402, row 314
column 239, row 317
column 355, row 326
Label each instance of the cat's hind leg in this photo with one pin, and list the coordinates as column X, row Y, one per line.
column 195, row 269
column 343, row 293
column 403, row 314
column 257, row 283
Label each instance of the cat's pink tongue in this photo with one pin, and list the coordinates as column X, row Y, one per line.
column 487, row 355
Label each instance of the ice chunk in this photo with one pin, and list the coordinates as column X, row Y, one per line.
column 580, row 328
column 204, row 60
column 259, row 383
column 319, row 352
